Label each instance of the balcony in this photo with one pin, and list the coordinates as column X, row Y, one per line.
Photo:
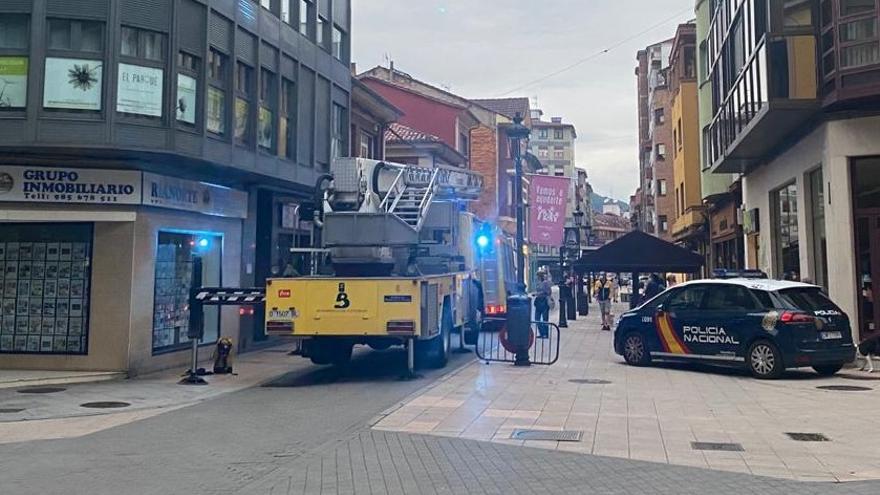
column 688, row 223
column 773, row 95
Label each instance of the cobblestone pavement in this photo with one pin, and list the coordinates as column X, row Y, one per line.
column 654, row 414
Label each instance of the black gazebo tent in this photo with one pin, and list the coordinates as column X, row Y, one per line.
column 638, row 252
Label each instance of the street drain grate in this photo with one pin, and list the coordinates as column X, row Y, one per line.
column 109, row 404
column 41, row 390
column 11, row 410
column 551, row 435
column 716, row 446
column 844, row 388
column 808, row 437
column 590, row 381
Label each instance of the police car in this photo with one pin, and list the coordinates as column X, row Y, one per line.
column 763, row 325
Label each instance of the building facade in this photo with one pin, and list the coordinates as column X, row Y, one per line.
column 143, row 142
column 657, row 212
column 800, row 123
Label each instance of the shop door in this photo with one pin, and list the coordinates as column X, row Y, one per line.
column 868, row 253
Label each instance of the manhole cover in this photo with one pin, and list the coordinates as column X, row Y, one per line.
column 41, row 390
column 590, row 381
column 105, row 404
column 11, row 410
column 722, row 447
column 558, row 436
column 844, row 388
column 808, row 437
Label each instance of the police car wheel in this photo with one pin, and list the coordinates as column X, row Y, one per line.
column 635, row 353
column 828, row 369
column 764, row 360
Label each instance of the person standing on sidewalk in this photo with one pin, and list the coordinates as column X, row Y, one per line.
column 604, row 288
column 542, row 304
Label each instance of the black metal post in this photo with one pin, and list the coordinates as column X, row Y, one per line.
column 517, row 133
column 196, row 328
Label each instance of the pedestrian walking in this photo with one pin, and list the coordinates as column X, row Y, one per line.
column 542, row 304
column 653, row 286
column 604, row 289
column 671, row 281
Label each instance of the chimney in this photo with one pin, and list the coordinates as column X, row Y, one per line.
column 556, row 120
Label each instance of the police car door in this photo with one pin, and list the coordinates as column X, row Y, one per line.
column 673, row 319
column 727, row 310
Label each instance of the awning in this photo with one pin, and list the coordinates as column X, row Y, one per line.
column 640, row 253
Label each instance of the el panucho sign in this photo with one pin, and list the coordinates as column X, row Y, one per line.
column 548, row 197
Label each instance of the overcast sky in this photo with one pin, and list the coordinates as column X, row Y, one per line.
column 485, row 48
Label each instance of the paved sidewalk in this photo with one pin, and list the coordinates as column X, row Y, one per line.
column 41, row 416
column 654, row 414
column 32, row 378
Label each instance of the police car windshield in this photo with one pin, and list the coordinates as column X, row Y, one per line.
column 806, row 299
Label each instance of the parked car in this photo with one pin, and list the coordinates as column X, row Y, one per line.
column 763, row 325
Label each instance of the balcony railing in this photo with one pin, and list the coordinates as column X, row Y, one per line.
column 773, row 94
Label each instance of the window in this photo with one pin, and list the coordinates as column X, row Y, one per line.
column 464, row 144
column 661, row 187
column 338, row 129
column 852, row 7
column 687, row 299
column 659, row 116
column 215, row 109
column 559, row 173
column 13, row 69
column 321, row 36
column 558, row 153
column 366, row 145
column 140, row 43
column 543, row 152
column 287, row 144
column 306, row 11
column 819, row 245
column 286, row 6
column 338, row 43
column 176, row 254
column 664, row 223
column 266, row 4
column 785, row 229
column 729, row 298
column 46, row 288
column 266, row 124
column 660, row 151
column 558, row 134
column 14, row 32
column 187, row 88
column 75, row 74
column 243, row 96
column 542, row 133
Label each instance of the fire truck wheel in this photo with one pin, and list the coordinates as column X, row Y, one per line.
column 341, row 354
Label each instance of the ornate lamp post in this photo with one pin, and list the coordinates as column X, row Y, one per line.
column 582, row 302
column 519, row 304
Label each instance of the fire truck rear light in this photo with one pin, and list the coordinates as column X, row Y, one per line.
column 494, row 309
column 407, row 327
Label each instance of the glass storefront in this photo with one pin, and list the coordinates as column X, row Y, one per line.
column 45, row 287
column 866, row 199
column 819, row 246
column 785, row 227
column 176, row 255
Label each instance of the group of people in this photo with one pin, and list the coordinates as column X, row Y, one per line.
column 606, row 290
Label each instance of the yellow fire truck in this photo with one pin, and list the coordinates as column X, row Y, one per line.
column 403, row 255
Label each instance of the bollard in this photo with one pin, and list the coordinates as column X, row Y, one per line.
column 519, row 323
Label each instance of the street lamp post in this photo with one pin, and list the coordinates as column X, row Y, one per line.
column 517, row 132
column 582, row 302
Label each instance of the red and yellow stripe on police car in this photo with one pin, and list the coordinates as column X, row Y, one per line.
column 668, row 338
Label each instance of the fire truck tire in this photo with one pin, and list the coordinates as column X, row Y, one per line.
column 341, row 354
column 434, row 353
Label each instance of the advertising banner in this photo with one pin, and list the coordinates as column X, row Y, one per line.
column 139, row 90
column 548, row 197
column 69, row 185
column 13, row 82
column 181, row 194
column 186, row 99
column 73, row 83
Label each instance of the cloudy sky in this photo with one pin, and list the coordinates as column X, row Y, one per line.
column 490, row 48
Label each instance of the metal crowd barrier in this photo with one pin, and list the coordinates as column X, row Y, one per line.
column 491, row 343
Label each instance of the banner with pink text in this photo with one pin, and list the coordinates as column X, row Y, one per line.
column 548, row 197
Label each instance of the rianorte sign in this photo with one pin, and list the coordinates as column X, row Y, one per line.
column 548, row 197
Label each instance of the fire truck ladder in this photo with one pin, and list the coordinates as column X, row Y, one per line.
column 410, row 195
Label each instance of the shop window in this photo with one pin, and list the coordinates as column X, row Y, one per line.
column 74, row 76
column 187, row 88
column 266, row 124
column 785, row 223
column 176, row 255
column 287, row 142
column 46, row 288
column 819, row 247
column 13, row 69
column 215, row 110
column 243, row 96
